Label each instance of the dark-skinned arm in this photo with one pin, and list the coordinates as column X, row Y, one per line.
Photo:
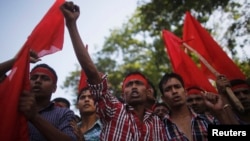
column 219, row 108
column 7, row 65
column 71, row 13
column 27, row 106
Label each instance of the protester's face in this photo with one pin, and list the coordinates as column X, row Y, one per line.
column 196, row 102
column 135, row 92
column 173, row 93
column 86, row 104
column 42, row 84
column 243, row 94
column 161, row 111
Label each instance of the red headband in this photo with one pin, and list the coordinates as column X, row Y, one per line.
column 240, row 86
column 194, row 92
column 134, row 77
column 45, row 71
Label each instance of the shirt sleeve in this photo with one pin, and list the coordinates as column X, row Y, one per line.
column 65, row 126
column 107, row 104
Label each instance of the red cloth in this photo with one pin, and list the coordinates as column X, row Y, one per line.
column 50, row 30
column 183, row 64
column 45, row 39
column 13, row 124
column 83, row 81
column 195, row 90
column 205, row 45
column 134, row 77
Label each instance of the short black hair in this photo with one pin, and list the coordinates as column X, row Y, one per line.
column 168, row 76
column 236, row 82
column 47, row 67
column 82, row 90
column 61, row 99
column 161, row 104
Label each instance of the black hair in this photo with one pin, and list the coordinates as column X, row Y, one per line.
column 82, row 90
column 161, row 104
column 47, row 67
column 168, row 76
column 235, row 82
column 61, row 99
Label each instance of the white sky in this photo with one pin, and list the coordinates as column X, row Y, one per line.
column 19, row 18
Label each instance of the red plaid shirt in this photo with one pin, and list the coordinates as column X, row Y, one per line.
column 120, row 123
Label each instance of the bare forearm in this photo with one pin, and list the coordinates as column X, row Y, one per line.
column 6, row 66
column 83, row 55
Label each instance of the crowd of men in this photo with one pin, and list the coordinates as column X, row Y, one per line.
column 182, row 114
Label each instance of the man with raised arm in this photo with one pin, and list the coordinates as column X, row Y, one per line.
column 121, row 121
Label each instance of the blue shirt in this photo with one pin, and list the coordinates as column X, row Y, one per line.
column 58, row 117
column 93, row 134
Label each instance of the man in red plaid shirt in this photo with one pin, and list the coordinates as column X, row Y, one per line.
column 121, row 121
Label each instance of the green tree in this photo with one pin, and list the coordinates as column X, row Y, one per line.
column 138, row 45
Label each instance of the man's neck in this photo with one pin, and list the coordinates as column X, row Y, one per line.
column 179, row 112
column 140, row 110
column 89, row 120
column 42, row 103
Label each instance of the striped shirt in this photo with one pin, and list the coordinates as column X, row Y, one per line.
column 58, row 117
column 199, row 127
column 120, row 122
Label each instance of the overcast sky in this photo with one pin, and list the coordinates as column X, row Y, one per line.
column 19, row 18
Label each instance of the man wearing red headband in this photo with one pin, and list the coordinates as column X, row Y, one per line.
column 195, row 100
column 241, row 90
column 46, row 121
column 121, row 121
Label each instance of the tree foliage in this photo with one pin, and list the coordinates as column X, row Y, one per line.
column 138, row 45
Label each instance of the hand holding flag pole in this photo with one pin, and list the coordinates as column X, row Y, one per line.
column 229, row 91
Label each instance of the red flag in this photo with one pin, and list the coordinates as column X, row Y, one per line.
column 83, row 81
column 45, row 39
column 206, row 46
column 49, row 33
column 183, row 64
column 13, row 124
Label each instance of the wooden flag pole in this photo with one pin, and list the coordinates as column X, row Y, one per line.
column 230, row 93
